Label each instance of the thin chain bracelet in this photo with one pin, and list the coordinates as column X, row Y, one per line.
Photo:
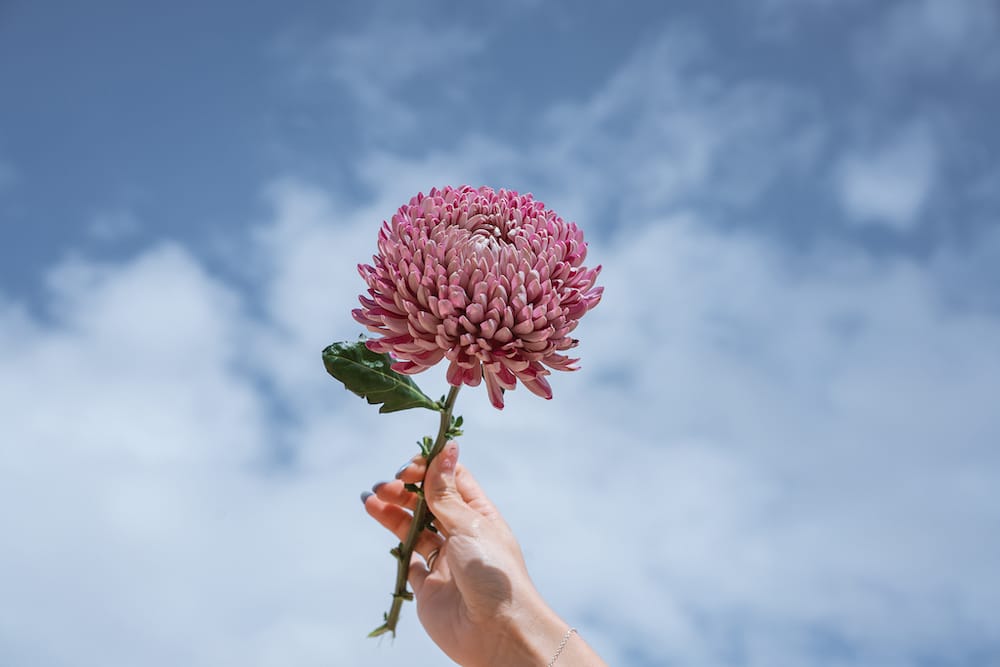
column 562, row 645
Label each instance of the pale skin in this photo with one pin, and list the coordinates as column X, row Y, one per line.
column 477, row 602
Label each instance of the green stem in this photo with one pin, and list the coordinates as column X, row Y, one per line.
column 421, row 519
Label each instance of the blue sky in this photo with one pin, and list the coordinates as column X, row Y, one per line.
column 781, row 449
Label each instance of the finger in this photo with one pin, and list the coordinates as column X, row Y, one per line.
column 453, row 514
column 395, row 492
column 418, row 574
column 397, row 521
column 472, row 493
column 414, row 471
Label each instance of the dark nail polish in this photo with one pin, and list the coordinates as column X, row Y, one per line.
column 406, row 465
column 365, row 495
column 378, row 485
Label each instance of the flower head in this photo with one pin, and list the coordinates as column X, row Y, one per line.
column 492, row 281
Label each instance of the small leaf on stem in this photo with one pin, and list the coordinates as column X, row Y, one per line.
column 425, row 445
column 380, row 630
column 368, row 374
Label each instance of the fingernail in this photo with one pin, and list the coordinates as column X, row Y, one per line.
column 378, row 485
column 449, row 457
column 403, row 468
column 365, row 495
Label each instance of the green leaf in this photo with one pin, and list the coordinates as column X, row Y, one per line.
column 425, row 445
column 369, row 375
column 455, row 429
column 381, row 630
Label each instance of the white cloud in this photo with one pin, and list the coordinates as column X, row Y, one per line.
column 143, row 522
column 891, row 182
column 143, row 333
column 667, row 132
column 791, row 440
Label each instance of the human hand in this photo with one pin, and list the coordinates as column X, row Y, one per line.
column 475, row 599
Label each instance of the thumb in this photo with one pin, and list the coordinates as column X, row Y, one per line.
column 451, row 511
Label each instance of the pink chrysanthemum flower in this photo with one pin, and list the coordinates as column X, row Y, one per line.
column 492, row 281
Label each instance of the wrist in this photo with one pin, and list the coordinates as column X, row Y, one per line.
column 530, row 637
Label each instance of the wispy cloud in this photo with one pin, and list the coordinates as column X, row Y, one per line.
column 925, row 37
column 381, row 65
column 668, row 133
column 114, row 224
column 782, row 18
column 889, row 182
column 135, row 471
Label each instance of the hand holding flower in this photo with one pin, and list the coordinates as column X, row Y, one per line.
column 477, row 601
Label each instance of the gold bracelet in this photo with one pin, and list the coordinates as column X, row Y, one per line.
column 562, row 645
